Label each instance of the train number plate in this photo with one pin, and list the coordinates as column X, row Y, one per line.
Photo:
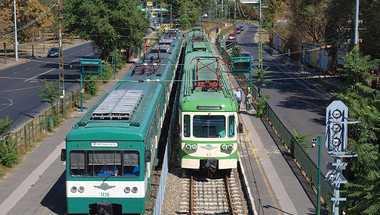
column 105, row 194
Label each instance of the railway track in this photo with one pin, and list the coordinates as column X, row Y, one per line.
column 219, row 195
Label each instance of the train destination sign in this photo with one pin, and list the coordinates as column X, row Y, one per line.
column 104, row 144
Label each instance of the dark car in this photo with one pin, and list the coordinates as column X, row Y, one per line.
column 53, row 52
column 231, row 36
column 241, row 28
column 246, row 54
column 238, row 30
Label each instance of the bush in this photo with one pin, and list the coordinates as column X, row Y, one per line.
column 107, row 72
column 90, row 84
column 8, row 156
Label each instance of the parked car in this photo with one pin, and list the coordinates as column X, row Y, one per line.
column 241, row 28
column 238, row 30
column 232, row 36
column 245, row 54
column 53, row 52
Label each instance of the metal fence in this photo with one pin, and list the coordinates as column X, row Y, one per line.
column 298, row 152
column 33, row 131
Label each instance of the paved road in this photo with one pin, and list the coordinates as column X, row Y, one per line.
column 37, row 186
column 299, row 103
column 19, row 97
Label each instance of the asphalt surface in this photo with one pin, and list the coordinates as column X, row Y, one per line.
column 298, row 101
column 19, row 97
column 37, row 186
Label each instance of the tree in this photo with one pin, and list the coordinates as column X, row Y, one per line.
column 190, row 14
column 27, row 11
column 49, row 92
column 358, row 69
column 109, row 23
column 363, row 103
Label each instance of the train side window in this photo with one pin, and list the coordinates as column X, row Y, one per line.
column 231, row 126
column 131, row 166
column 77, row 163
column 186, row 126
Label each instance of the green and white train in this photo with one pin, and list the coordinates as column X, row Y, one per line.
column 111, row 152
column 207, row 109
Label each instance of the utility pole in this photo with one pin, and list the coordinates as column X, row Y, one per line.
column 260, row 66
column 60, row 64
column 16, row 43
column 356, row 22
column 220, row 31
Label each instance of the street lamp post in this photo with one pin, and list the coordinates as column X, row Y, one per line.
column 16, row 43
column 356, row 22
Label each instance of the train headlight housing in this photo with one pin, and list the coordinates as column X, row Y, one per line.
column 188, row 146
column 73, row 189
column 194, row 147
column 224, row 147
column 230, row 147
column 127, row 190
column 81, row 189
column 134, row 190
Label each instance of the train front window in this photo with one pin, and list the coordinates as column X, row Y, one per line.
column 209, row 126
column 90, row 163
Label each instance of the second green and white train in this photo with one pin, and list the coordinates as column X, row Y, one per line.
column 207, row 109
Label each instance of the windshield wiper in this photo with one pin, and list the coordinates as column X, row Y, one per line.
column 106, row 178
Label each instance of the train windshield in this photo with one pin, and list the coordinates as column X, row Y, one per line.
column 209, row 126
column 97, row 163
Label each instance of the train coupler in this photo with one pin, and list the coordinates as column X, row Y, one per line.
column 104, row 208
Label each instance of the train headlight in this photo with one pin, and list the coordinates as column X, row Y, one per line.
column 188, row 146
column 230, row 147
column 224, row 147
column 194, row 147
column 73, row 189
column 127, row 190
column 81, row 189
column 134, row 190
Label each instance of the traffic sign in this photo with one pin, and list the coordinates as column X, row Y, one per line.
column 96, row 55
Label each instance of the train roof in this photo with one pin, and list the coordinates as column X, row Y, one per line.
column 128, row 106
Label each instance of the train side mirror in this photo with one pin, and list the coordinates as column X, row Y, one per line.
column 63, row 155
column 148, row 155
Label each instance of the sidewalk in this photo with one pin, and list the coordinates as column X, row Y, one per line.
column 273, row 178
column 15, row 186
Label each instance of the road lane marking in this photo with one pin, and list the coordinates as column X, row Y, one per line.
column 34, row 77
column 24, row 187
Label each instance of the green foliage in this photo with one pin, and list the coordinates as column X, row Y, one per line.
column 261, row 106
column 363, row 197
column 363, row 104
column 91, row 84
column 109, row 23
column 299, row 137
column 8, row 155
column 49, row 92
column 5, row 125
column 357, row 68
column 189, row 14
column 237, row 51
column 107, row 72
